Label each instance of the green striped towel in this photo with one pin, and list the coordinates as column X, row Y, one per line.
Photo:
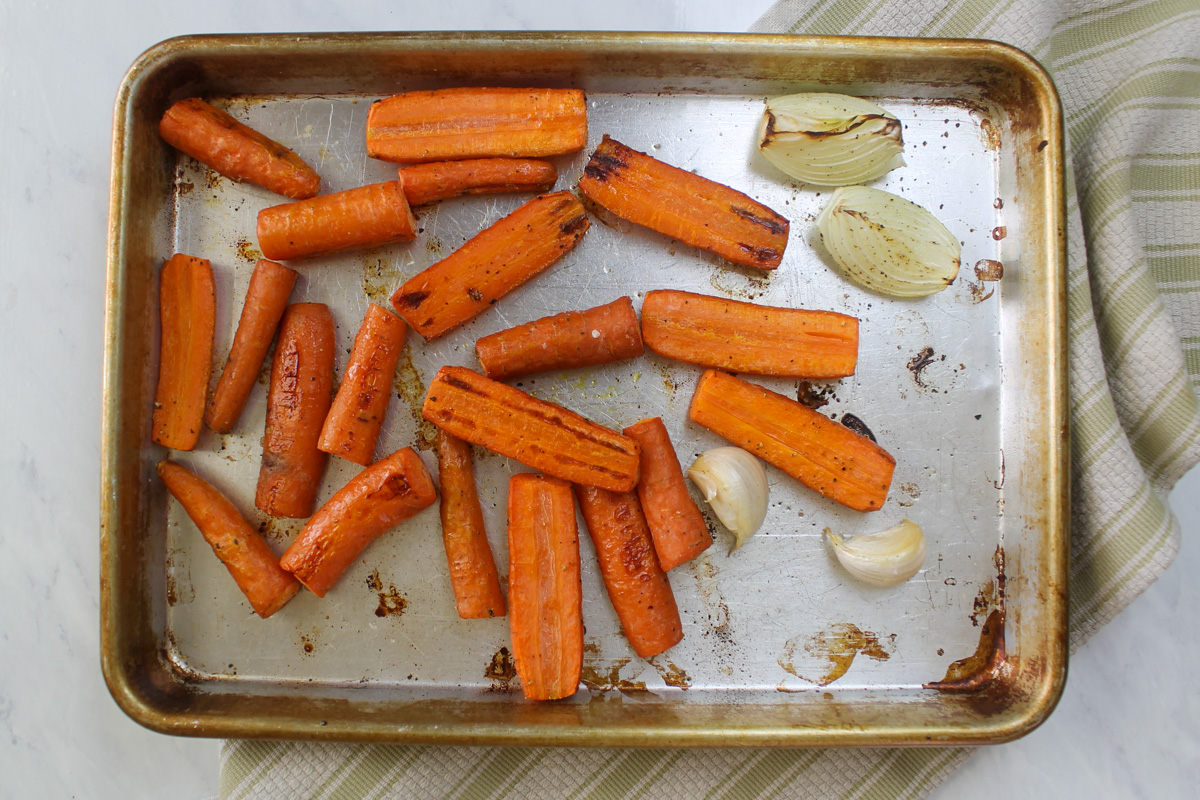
column 1129, row 76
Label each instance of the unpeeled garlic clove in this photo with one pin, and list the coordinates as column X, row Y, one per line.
column 887, row 243
column 830, row 139
column 734, row 484
column 882, row 559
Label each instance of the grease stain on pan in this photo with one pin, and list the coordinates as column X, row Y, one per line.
column 391, row 602
column 502, row 672
column 988, row 273
column 604, row 675
column 410, row 387
column 827, row 656
column 247, row 251
column 379, row 280
column 987, row 664
column 672, row 674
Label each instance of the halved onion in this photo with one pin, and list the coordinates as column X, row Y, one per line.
column 830, row 139
column 887, row 243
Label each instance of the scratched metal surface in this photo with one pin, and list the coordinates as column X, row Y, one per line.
column 766, row 622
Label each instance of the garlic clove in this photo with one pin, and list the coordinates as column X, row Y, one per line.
column 830, row 139
column 734, row 484
column 887, row 243
column 882, row 559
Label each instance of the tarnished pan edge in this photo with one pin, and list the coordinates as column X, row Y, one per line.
column 170, row 708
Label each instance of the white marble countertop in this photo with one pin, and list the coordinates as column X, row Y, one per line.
column 1128, row 725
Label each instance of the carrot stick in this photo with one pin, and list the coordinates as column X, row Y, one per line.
column 492, row 264
column 376, row 500
column 356, row 417
column 572, row 339
column 684, row 206
column 238, row 152
column 825, row 456
column 297, row 402
column 636, row 583
column 539, row 434
column 545, row 592
column 473, row 577
column 441, row 180
column 676, row 524
column 242, row 549
column 369, row 216
column 468, row 122
column 188, row 314
column 746, row 337
column 266, row 298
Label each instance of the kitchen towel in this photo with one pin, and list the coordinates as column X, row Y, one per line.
column 1129, row 77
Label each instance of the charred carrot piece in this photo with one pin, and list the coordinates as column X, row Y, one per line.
column 352, row 427
column 298, row 400
column 545, row 592
column 746, row 337
column 266, row 298
column 188, row 314
column 599, row 335
column 537, row 433
column 242, row 549
column 635, row 581
column 453, row 124
column 680, row 204
column 824, row 455
column 441, row 180
column 676, row 524
column 473, row 576
column 238, row 152
column 492, row 264
column 369, row 216
column 376, row 500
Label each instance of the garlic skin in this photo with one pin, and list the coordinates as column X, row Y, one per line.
column 882, row 559
column 887, row 243
column 830, row 139
column 734, row 484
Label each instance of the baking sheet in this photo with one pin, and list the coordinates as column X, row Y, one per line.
column 950, row 385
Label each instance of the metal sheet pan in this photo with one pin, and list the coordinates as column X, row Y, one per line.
column 967, row 389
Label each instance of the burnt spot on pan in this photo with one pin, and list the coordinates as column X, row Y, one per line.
column 391, row 602
column 378, row 279
column 983, row 667
column 827, row 656
column 502, row 672
column 247, row 251
column 672, row 674
column 409, row 386
column 855, row 424
column 603, row 675
column 988, row 272
column 814, row 396
column 307, row 644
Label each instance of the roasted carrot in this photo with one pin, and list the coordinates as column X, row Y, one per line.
column 241, row 548
column 355, row 219
column 822, row 454
column 676, row 524
column 376, row 500
column 441, row 180
column 266, row 298
column 473, row 577
column 238, row 152
column 188, row 314
column 492, row 264
column 468, row 122
column 545, row 592
column 356, row 416
column 599, row 335
column 746, row 337
column 298, row 400
column 680, row 204
column 535, row 432
column 636, row 583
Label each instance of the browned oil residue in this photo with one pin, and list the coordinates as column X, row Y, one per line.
column 705, row 573
column 672, row 674
column 247, row 251
column 597, row 679
column 434, row 245
column 909, row 492
column 379, row 280
column 391, row 602
column 502, row 671
column 813, row 396
column 306, row 644
column 987, row 272
column 832, row 651
column 212, row 179
column 410, row 387
column 186, row 188
column 918, row 363
column 991, row 595
column 999, row 232
column 989, row 134
column 276, row 529
column 985, row 665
